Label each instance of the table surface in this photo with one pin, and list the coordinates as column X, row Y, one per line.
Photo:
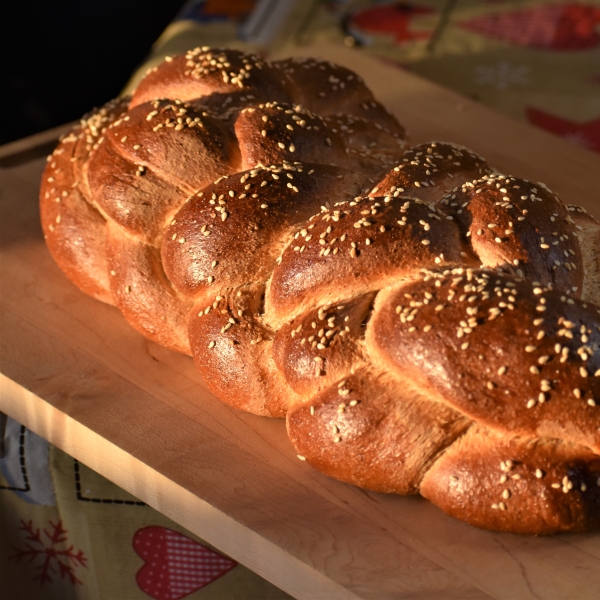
column 74, row 372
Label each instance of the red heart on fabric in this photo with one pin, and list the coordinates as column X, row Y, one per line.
column 175, row 565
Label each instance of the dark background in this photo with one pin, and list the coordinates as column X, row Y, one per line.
column 61, row 58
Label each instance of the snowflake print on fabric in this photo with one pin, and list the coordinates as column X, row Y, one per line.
column 175, row 566
column 46, row 549
column 503, row 75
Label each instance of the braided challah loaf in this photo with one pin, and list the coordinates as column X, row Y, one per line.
column 425, row 324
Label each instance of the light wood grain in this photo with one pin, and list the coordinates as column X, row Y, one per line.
column 74, row 372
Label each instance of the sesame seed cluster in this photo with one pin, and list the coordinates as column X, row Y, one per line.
column 516, row 222
column 547, row 351
column 429, row 170
column 273, row 132
column 151, row 159
column 232, row 69
column 363, row 245
column 425, row 324
column 245, row 218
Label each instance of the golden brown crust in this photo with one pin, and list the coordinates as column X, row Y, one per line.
column 322, row 346
column 130, row 195
column 373, row 431
column 74, row 231
column 237, row 229
column 142, row 292
column 328, row 89
column 369, row 146
column 357, row 247
column 142, row 170
column 519, row 485
column 225, row 79
column 273, row 132
column 517, row 224
column 429, row 171
column 232, row 232
column 233, row 351
column 75, row 234
column 149, row 161
column 516, row 358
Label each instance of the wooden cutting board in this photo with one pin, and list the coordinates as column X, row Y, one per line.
column 74, row 372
